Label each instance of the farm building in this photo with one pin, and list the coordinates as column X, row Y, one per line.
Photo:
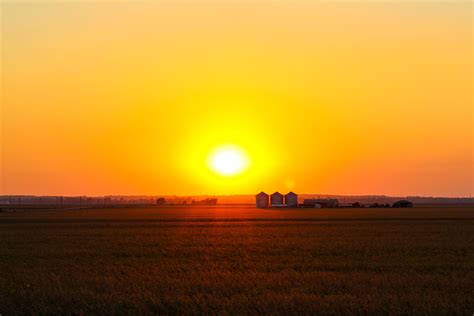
column 318, row 203
column 276, row 199
column 262, row 200
column 291, row 199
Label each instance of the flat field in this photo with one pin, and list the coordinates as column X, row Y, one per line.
column 237, row 260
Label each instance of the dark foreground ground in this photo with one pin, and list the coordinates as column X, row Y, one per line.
column 237, row 260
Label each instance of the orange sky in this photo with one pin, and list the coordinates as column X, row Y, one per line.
column 109, row 97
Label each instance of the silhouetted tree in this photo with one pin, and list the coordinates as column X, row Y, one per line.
column 402, row 203
column 160, row 201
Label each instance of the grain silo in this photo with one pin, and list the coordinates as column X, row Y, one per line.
column 261, row 200
column 276, row 199
column 291, row 199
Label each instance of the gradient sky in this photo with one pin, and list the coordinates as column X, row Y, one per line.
column 356, row 97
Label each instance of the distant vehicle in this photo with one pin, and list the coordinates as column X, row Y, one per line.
column 402, row 203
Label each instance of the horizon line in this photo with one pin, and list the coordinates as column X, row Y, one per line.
column 230, row 195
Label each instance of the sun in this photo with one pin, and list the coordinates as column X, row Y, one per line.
column 228, row 160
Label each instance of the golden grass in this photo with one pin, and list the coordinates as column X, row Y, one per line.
column 237, row 260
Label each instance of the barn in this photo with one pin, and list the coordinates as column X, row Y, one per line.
column 318, row 203
column 262, row 200
column 276, row 199
column 291, row 199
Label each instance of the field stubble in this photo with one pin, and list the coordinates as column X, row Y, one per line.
column 237, row 260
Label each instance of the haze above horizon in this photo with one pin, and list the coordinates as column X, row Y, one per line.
column 348, row 98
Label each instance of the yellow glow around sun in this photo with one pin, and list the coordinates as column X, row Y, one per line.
column 228, row 160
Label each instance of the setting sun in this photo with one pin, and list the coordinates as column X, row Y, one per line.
column 236, row 157
column 228, row 160
column 235, row 97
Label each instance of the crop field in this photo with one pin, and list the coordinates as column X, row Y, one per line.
column 237, row 260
